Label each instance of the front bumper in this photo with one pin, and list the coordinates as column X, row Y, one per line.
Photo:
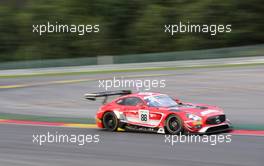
column 215, row 128
column 207, row 129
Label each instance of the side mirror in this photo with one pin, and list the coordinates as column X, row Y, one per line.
column 177, row 100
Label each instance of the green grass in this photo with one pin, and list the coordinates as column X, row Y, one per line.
column 128, row 70
column 248, row 126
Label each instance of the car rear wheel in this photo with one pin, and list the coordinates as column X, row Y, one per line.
column 110, row 121
column 173, row 124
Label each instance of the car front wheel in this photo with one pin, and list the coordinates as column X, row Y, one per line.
column 173, row 124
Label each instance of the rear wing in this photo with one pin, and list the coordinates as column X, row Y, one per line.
column 93, row 96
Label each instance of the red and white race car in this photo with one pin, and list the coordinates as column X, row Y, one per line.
column 156, row 112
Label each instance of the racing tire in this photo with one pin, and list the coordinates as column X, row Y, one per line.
column 173, row 125
column 110, row 121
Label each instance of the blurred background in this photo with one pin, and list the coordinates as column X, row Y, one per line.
column 131, row 31
column 128, row 28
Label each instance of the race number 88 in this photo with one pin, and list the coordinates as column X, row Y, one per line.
column 143, row 115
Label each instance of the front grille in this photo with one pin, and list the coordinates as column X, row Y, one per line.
column 216, row 119
column 217, row 128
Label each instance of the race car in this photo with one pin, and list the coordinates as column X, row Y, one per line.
column 157, row 112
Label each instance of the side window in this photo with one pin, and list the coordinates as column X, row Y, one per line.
column 120, row 102
column 130, row 101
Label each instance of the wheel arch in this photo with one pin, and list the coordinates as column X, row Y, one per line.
column 171, row 113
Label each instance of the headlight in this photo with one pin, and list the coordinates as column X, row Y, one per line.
column 193, row 117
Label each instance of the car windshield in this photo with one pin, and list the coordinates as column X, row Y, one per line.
column 160, row 101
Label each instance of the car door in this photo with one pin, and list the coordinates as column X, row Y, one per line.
column 136, row 112
column 130, row 109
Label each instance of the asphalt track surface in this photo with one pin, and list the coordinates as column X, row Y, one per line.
column 123, row 148
column 239, row 91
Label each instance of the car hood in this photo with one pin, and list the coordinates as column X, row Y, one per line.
column 202, row 110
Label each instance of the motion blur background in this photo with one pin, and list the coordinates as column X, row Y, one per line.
column 131, row 31
column 127, row 27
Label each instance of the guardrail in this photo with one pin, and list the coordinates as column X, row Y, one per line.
column 220, row 62
column 244, row 51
